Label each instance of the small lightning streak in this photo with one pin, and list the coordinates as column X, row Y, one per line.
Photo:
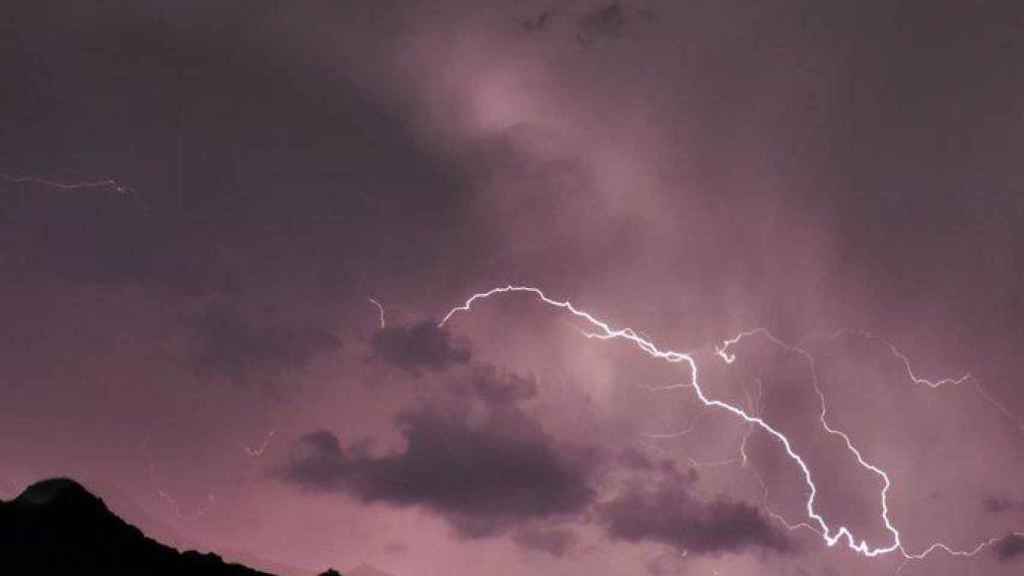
column 380, row 308
column 173, row 503
column 918, row 380
column 830, row 535
column 199, row 512
column 900, row 356
column 995, row 403
column 967, row 377
column 60, row 185
column 257, row 452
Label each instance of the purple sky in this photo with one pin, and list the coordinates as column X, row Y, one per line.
column 195, row 341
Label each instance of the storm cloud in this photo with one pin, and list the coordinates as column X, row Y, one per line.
column 483, row 473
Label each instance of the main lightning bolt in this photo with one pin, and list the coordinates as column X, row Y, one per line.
column 831, row 535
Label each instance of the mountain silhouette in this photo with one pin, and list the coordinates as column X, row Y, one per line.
column 57, row 527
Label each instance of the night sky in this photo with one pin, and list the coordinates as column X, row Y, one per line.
column 231, row 234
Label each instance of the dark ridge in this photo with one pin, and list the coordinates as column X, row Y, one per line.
column 57, row 526
column 66, row 490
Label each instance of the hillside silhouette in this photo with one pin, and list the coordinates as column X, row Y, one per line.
column 57, row 527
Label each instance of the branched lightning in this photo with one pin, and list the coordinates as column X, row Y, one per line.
column 830, row 534
column 755, row 407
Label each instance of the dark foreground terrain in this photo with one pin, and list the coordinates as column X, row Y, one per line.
column 57, row 527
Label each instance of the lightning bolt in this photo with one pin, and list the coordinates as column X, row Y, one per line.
column 831, row 535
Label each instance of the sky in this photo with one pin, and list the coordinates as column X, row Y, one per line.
column 765, row 316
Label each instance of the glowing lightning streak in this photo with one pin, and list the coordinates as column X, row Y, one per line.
column 607, row 332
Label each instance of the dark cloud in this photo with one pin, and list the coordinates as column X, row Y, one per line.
column 999, row 505
column 1009, row 547
column 231, row 345
column 671, row 514
column 417, row 346
column 483, row 474
column 553, row 541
